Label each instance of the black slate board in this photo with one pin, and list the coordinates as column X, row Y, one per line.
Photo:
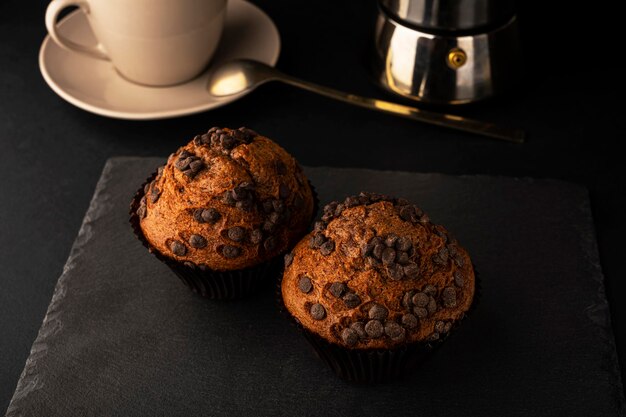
column 123, row 337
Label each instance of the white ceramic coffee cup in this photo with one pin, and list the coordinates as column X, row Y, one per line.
column 152, row 42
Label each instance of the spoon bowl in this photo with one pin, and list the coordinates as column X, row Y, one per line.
column 237, row 76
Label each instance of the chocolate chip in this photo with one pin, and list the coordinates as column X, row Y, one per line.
column 236, row 233
column 391, row 240
column 378, row 312
column 240, row 193
column 420, row 312
column 364, row 199
column 447, row 327
column 318, row 312
column 437, row 259
column 183, row 163
column 444, row 254
column 268, row 206
column 394, row 330
column 439, row 326
column 244, row 205
column 227, row 198
column 449, row 297
column 189, row 173
column 155, row 193
column 458, row 260
column 402, row 258
column 189, row 265
column 327, row 217
column 404, row 244
column 283, row 191
column 211, row 215
column 430, row 290
column 388, row 256
column 268, row 226
column 215, row 138
column 402, row 201
column 249, row 134
column 196, row 166
column 275, row 218
column 281, row 168
column 407, row 213
column 407, row 299
column 305, row 284
column 351, row 300
column 197, row 241
column 278, row 206
column 288, row 257
column 378, row 250
column 351, row 201
column 359, row 328
column 160, row 171
column 327, row 248
column 178, row 248
column 433, row 337
column 270, row 243
column 337, row 289
column 420, row 299
column 432, row 306
column 374, row 329
column 395, row 272
column 231, row 251
column 228, row 142
column 330, row 207
column 409, row 321
column 141, row 212
column 349, row 336
column 184, row 154
column 256, row 236
column 319, row 226
column 459, row 278
column 316, row 241
column 411, row 271
column 146, row 188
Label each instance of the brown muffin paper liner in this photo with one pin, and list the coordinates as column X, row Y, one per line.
column 216, row 285
column 373, row 366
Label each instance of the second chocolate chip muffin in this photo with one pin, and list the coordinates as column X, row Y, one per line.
column 226, row 201
column 377, row 274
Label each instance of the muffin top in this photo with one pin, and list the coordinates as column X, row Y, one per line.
column 227, row 200
column 376, row 273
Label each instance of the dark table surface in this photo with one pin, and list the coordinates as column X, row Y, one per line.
column 51, row 153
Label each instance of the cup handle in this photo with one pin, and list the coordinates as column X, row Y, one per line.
column 52, row 12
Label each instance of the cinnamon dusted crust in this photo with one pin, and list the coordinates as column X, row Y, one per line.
column 376, row 273
column 227, row 200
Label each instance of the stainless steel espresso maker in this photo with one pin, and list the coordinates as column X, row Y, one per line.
column 446, row 51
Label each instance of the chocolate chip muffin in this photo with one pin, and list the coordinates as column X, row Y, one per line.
column 229, row 200
column 376, row 274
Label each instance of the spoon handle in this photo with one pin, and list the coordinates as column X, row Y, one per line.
column 440, row 119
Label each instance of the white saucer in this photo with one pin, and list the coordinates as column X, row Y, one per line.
column 95, row 86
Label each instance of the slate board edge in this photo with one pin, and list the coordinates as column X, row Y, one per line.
column 28, row 383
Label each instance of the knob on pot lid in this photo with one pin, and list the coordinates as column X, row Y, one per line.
column 450, row 14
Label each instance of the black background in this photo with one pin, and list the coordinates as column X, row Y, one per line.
column 51, row 153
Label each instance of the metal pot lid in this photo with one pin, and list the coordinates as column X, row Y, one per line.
column 450, row 14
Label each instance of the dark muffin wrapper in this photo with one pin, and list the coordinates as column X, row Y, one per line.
column 217, row 285
column 372, row 366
